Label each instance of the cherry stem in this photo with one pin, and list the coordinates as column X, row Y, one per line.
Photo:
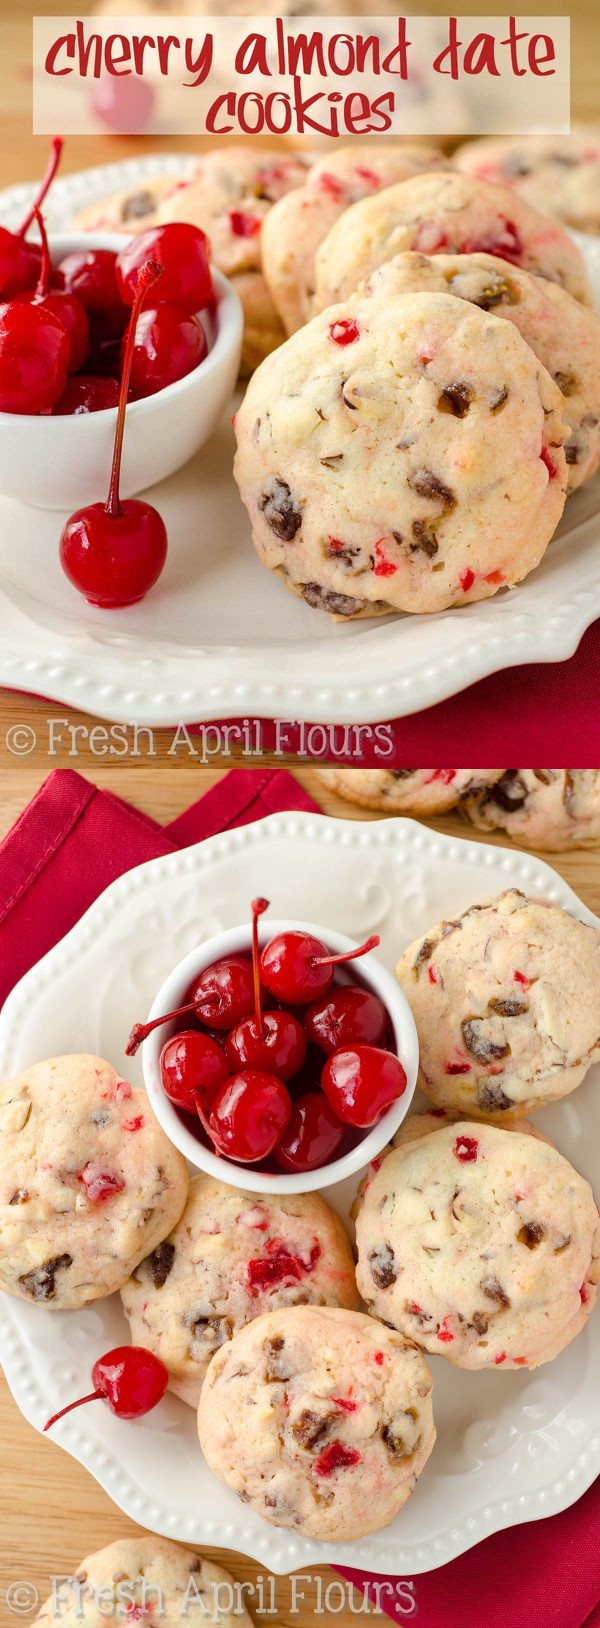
column 148, row 275
column 56, row 148
column 95, row 1396
column 258, row 909
column 350, row 955
column 45, row 268
column 140, row 1031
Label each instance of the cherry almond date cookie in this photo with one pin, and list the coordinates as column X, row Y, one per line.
column 232, row 1257
column 480, row 1244
column 446, row 213
column 144, row 1579
column 557, row 174
column 564, row 334
column 298, row 223
column 408, row 791
column 401, row 454
column 506, row 999
column 131, row 209
column 320, row 1419
column 89, row 1183
column 549, row 809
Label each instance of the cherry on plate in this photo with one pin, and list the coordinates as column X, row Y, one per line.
column 169, row 344
column 190, row 1062
column 345, row 1016
column 361, row 1082
column 114, row 552
column 247, row 1116
column 129, row 1379
column 183, row 252
column 313, row 1136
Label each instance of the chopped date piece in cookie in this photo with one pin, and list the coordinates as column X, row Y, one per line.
column 279, row 510
column 41, row 1284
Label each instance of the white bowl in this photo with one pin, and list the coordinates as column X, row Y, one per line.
column 372, row 974
column 62, row 463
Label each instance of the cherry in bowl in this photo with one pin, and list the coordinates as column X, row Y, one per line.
column 317, row 1146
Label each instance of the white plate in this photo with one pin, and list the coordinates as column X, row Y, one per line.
column 218, row 636
column 511, row 1447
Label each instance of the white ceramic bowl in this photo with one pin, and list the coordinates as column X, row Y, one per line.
column 372, row 974
column 62, row 463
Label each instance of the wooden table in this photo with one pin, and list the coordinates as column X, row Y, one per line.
column 51, row 1510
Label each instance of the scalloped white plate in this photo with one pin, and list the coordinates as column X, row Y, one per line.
column 218, row 636
column 511, row 1447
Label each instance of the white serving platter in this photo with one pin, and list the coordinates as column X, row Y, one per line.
column 219, row 637
column 511, row 1447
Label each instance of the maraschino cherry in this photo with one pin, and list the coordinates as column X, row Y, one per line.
column 345, row 1016
column 90, row 274
column 247, row 1116
column 19, row 259
column 114, row 552
column 361, row 1082
column 169, row 344
column 129, row 1379
column 221, row 996
column 61, row 304
column 295, row 967
column 87, row 394
column 313, row 1135
column 190, row 1062
column 267, row 1040
column 183, row 252
column 35, row 355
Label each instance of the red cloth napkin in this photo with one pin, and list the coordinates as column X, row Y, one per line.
column 66, row 847
column 535, row 715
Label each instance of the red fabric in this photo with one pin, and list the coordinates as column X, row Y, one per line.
column 66, row 847
column 73, row 840
column 534, row 715
column 545, row 1574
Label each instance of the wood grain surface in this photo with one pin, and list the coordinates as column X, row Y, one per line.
column 51, row 1511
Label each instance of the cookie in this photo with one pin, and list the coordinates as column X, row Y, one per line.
column 553, row 809
column 452, row 213
column 416, row 1127
column 557, row 174
column 89, row 1183
column 480, row 1244
column 229, row 196
column 506, row 1000
column 320, row 1419
column 401, row 454
column 407, row 791
column 232, row 1257
column 131, row 209
column 144, row 1578
column 298, row 223
column 564, row 334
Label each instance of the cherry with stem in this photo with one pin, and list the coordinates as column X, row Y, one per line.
column 296, row 967
column 129, row 1379
column 20, row 260
column 60, row 303
column 113, row 553
column 267, row 1040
